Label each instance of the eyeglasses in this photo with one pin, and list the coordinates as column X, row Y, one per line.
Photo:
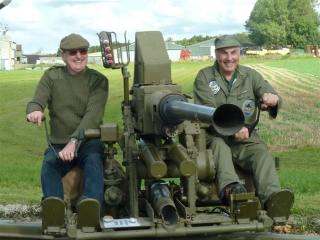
column 81, row 51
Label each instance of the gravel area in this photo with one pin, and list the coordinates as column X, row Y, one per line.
column 21, row 212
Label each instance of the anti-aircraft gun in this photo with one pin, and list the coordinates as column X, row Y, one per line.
column 166, row 188
column 169, row 173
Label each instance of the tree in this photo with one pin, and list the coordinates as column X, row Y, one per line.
column 59, row 51
column 94, row 49
column 183, row 42
column 193, row 40
column 305, row 21
column 275, row 22
column 268, row 22
column 244, row 38
column 170, row 40
column 39, row 52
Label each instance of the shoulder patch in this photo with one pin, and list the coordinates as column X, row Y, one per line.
column 248, row 107
column 214, row 86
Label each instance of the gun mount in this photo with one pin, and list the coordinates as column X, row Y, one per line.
column 169, row 173
column 163, row 137
column 167, row 186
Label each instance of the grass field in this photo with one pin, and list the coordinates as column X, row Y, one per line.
column 294, row 136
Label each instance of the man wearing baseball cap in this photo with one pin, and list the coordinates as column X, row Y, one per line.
column 228, row 82
column 76, row 97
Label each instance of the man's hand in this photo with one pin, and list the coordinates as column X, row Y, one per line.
column 243, row 134
column 269, row 100
column 35, row 117
column 67, row 154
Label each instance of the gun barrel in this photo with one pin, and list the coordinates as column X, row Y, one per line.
column 162, row 203
column 227, row 119
column 152, row 159
column 181, row 159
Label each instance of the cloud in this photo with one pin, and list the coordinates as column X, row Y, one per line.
column 42, row 23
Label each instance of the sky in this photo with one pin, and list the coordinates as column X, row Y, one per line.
column 41, row 24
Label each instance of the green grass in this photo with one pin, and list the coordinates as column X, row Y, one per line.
column 293, row 136
column 299, row 170
column 310, row 66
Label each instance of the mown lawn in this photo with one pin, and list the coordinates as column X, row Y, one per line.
column 294, row 136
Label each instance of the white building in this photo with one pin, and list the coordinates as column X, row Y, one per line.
column 7, row 50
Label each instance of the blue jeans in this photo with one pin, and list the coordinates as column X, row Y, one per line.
column 91, row 160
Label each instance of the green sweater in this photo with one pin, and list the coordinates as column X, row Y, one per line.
column 74, row 101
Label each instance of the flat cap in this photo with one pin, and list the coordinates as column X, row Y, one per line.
column 227, row 41
column 73, row 41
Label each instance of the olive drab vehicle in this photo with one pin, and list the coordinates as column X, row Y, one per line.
column 166, row 185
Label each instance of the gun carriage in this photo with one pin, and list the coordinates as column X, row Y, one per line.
column 166, row 185
column 169, row 173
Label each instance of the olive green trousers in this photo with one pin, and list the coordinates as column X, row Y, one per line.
column 252, row 155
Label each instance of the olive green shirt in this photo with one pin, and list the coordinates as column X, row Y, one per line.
column 248, row 86
column 74, row 101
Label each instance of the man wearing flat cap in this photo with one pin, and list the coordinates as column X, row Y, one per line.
column 228, row 82
column 76, row 97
